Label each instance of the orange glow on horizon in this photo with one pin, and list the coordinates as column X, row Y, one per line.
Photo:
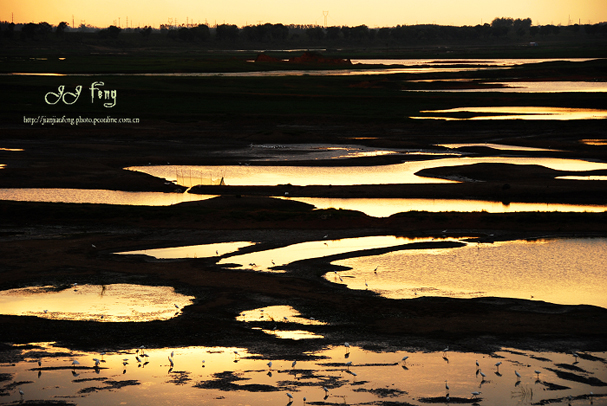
column 385, row 13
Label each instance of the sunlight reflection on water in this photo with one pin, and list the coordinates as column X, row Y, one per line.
column 403, row 173
column 271, row 260
column 216, row 375
column 192, row 251
column 562, row 271
column 386, row 207
column 517, row 113
column 529, row 87
column 107, row 303
column 98, row 196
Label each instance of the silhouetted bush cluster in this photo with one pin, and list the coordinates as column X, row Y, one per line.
column 280, row 33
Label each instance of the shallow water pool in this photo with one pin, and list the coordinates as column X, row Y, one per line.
column 103, row 303
column 337, row 374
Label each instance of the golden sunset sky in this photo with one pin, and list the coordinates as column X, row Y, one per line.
column 378, row 13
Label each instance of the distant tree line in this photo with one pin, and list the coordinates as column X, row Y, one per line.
column 280, row 33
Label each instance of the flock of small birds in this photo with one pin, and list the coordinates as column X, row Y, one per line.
column 141, row 358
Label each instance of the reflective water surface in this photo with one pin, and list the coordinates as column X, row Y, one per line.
column 342, row 374
column 289, row 152
column 107, row 303
column 192, row 251
column 377, row 207
column 518, row 113
column 562, row 271
column 529, row 87
column 594, row 177
column 351, row 175
column 391, row 66
column 98, row 196
column 385, row 207
column 272, row 259
column 595, row 141
column 280, row 316
column 496, row 146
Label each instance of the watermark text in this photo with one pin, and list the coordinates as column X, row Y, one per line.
column 52, row 120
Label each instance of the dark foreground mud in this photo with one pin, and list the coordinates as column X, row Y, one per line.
column 61, row 244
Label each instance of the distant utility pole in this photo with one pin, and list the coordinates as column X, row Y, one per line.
column 326, row 14
column 72, row 21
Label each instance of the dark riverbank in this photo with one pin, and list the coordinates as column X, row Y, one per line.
column 187, row 121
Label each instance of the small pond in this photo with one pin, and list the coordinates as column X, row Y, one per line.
column 102, row 303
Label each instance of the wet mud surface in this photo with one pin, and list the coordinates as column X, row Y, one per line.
column 57, row 243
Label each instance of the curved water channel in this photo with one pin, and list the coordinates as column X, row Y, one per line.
column 562, row 271
column 245, row 174
column 365, row 67
column 270, row 175
column 515, row 113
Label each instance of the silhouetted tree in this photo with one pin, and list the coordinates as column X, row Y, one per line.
column 549, row 30
column 483, row 30
column 145, row 31
column 315, row 33
column 383, row 34
column 226, row 32
column 201, row 32
column 279, row 32
column 110, row 32
column 10, row 30
column 333, row 33
column 533, row 31
column 31, row 30
column 519, row 24
column 61, row 28
column 185, row 34
column 359, row 32
column 346, row 32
